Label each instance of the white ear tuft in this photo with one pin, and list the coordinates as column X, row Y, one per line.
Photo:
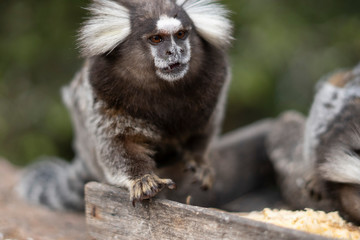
column 210, row 19
column 341, row 167
column 107, row 27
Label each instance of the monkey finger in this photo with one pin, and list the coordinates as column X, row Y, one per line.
column 171, row 185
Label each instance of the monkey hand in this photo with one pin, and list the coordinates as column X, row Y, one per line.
column 203, row 174
column 148, row 186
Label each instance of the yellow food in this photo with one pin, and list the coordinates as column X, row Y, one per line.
column 318, row 222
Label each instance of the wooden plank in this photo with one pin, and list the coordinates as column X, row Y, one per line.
column 110, row 215
column 22, row 221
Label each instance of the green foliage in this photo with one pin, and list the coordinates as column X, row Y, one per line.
column 281, row 49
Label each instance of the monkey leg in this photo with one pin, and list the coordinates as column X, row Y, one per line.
column 197, row 160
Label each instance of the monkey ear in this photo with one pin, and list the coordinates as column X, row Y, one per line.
column 107, row 27
column 210, row 19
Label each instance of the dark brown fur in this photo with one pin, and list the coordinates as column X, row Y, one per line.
column 179, row 107
column 182, row 111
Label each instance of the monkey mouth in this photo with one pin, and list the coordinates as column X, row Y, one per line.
column 173, row 71
column 173, row 67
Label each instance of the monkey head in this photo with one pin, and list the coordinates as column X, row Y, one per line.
column 333, row 131
column 149, row 41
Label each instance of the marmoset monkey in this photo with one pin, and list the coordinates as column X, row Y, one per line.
column 153, row 84
column 317, row 159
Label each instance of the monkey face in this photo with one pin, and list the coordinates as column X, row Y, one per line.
column 170, row 49
column 152, row 44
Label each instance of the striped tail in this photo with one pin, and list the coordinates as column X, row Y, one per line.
column 55, row 183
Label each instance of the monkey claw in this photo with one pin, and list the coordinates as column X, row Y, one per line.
column 148, row 186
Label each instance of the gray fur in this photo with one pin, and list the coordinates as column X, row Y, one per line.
column 317, row 159
column 55, row 183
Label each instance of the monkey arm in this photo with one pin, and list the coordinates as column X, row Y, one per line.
column 127, row 161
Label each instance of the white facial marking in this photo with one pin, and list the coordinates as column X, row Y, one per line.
column 172, row 77
column 161, row 63
column 168, row 25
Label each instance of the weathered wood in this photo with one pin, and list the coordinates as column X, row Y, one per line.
column 110, row 215
column 21, row 221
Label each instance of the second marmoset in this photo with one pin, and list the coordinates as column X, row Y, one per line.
column 154, row 83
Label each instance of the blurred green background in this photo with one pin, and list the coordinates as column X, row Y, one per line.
column 282, row 48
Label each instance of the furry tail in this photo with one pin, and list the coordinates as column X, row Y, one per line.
column 55, row 183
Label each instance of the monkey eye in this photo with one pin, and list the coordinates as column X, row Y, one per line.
column 181, row 34
column 156, row 39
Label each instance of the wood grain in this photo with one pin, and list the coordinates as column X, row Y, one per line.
column 110, row 215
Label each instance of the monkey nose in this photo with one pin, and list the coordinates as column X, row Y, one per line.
column 174, row 52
